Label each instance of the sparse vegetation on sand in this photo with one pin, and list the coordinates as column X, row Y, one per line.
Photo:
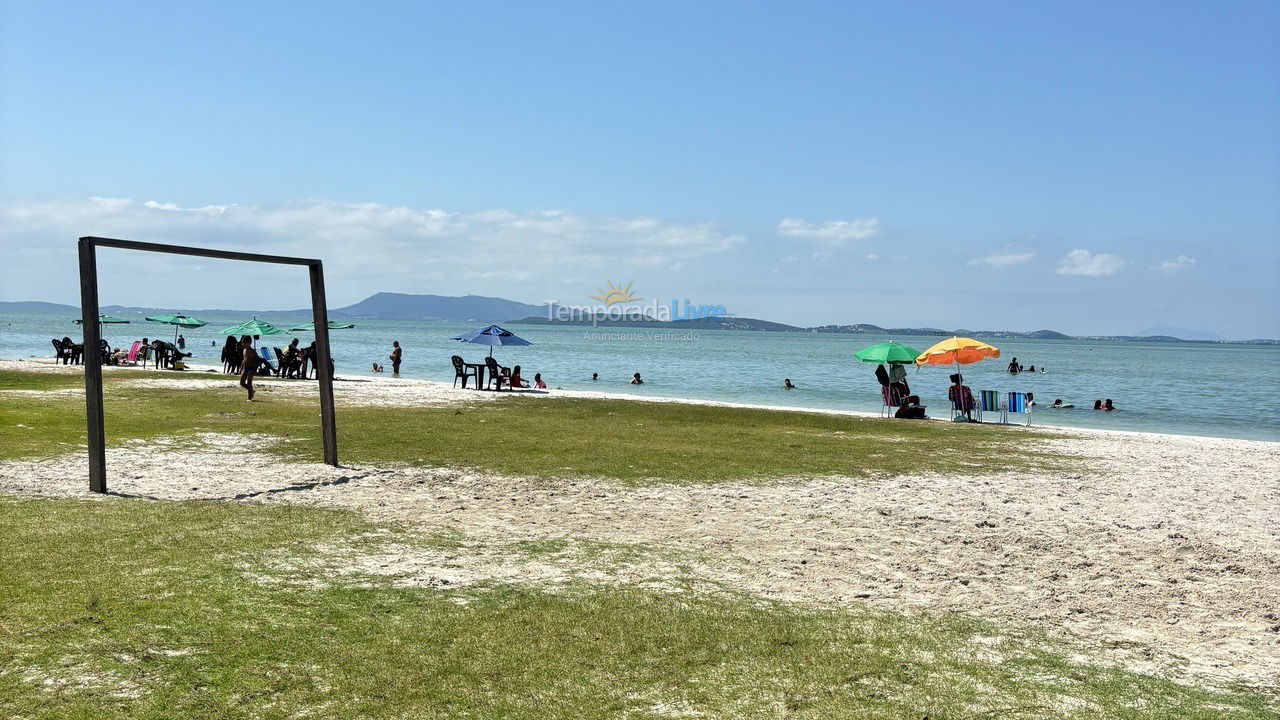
column 120, row 608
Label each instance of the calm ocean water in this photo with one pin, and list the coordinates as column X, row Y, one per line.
column 1218, row 390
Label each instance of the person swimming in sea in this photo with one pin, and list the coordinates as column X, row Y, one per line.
column 1097, row 404
column 1108, row 405
column 595, row 377
column 1057, row 405
column 787, row 384
column 635, row 379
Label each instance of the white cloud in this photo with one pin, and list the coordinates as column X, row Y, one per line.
column 1008, row 256
column 1083, row 262
column 873, row 257
column 382, row 247
column 1178, row 264
column 833, row 233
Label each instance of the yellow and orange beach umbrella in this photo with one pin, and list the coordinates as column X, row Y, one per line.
column 958, row 350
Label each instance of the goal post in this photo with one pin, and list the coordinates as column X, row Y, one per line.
column 93, row 340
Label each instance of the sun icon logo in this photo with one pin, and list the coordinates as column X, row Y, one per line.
column 613, row 294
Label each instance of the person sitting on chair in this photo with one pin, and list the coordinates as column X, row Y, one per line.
column 961, row 396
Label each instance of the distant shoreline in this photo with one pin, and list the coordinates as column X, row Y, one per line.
column 419, row 308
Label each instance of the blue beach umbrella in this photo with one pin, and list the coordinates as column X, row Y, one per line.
column 492, row 336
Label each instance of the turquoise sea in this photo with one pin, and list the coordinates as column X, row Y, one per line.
column 1183, row 388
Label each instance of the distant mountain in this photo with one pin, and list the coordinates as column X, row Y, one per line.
column 468, row 308
column 867, row 329
column 1180, row 332
column 722, row 323
column 31, row 306
column 480, row 309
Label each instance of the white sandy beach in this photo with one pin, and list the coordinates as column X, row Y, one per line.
column 1165, row 554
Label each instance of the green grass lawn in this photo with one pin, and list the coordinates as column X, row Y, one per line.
column 121, row 608
column 545, row 437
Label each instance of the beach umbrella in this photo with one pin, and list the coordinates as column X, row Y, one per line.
column 958, row 350
column 491, row 336
column 891, row 353
column 177, row 321
column 105, row 320
column 311, row 326
column 252, row 327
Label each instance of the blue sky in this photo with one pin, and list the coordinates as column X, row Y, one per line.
column 1086, row 167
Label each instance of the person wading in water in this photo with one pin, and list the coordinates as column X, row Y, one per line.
column 250, row 365
column 395, row 356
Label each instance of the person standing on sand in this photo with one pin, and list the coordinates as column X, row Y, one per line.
column 249, row 365
column 395, row 357
column 182, row 343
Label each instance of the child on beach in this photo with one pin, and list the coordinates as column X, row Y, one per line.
column 537, row 381
column 248, row 365
column 515, row 380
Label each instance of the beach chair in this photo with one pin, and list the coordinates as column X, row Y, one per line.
column 961, row 406
column 989, row 401
column 132, row 359
column 60, row 353
column 265, row 354
column 461, row 370
column 497, row 373
column 1017, row 402
column 889, row 401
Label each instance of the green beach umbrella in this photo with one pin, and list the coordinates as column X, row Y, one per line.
column 252, row 327
column 333, row 325
column 177, row 321
column 105, row 320
column 890, row 353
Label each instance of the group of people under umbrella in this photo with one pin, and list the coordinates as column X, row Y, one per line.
column 893, row 382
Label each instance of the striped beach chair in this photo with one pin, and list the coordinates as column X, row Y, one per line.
column 989, row 401
column 1017, row 402
column 889, row 401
